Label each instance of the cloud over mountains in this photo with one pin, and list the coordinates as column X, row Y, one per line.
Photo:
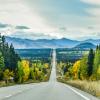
column 75, row 19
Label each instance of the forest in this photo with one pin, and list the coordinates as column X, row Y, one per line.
column 85, row 68
column 15, row 69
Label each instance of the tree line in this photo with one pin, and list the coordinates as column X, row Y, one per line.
column 13, row 69
column 87, row 68
column 33, row 70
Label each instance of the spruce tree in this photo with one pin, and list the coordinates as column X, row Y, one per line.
column 1, row 66
column 1, row 61
column 90, row 62
column 0, row 42
column 14, row 58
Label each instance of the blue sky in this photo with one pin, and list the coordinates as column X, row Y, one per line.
column 34, row 19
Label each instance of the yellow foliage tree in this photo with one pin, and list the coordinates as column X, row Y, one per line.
column 75, row 69
column 98, row 73
column 8, row 75
column 26, row 69
column 46, row 65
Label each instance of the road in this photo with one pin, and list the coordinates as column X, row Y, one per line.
column 51, row 90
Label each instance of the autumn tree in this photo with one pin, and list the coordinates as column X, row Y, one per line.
column 26, row 69
column 82, row 73
column 8, row 75
column 23, row 71
column 75, row 69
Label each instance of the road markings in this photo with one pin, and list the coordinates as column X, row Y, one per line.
column 8, row 96
column 86, row 98
column 18, row 92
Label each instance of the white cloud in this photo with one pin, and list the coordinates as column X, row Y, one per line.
column 81, row 33
column 95, row 12
column 16, row 12
column 93, row 2
column 94, row 18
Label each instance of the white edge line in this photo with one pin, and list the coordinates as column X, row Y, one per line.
column 86, row 98
column 8, row 96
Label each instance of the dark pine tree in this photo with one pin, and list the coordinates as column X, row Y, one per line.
column 90, row 62
column 97, row 47
column 11, row 58
column 14, row 58
column 1, row 66
column 0, row 42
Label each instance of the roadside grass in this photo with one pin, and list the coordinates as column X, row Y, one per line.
column 3, row 84
column 92, row 87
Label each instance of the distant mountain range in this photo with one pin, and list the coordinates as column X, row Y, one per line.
column 85, row 46
column 46, row 43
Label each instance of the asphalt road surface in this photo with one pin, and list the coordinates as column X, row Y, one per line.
column 51, row 90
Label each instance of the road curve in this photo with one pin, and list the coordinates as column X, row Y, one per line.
column 51, row 90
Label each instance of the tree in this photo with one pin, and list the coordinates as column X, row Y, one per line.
column 20, row 72
column 6, row 54
column 75, row 69
column 1, row 61
column 32, row 73
column 90, row 62
column 23, row 71
column 8, row 75
column 0, row 42
column 96, row 61
column 26, row 69
column 82, row 73
column 14, row 58
column 1, row 66
column 98, row 73
column 10, row 56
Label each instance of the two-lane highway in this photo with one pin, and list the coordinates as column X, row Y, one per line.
column 51, row 90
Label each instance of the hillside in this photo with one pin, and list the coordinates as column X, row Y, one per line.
column 85, row 46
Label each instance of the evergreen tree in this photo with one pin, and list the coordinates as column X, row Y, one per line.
column 6, row 56
column 0, row 42
column 1, row 66
column 14, row 58
column 1, row 61
column 90, row 62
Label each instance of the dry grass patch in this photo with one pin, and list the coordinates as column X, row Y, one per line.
column 92, row 87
